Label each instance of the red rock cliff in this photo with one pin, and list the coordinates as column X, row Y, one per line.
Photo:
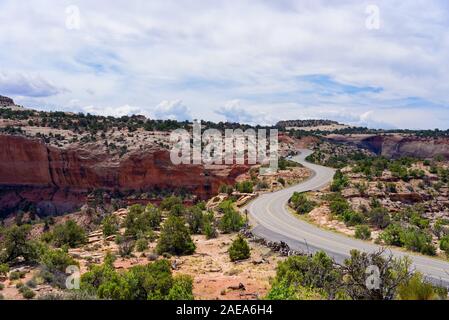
column 33, row 171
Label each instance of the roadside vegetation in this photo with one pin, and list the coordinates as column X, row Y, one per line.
column 398, row 202
column 318, row 277
column 154, row 281
column 169, row 227
column 301, row 204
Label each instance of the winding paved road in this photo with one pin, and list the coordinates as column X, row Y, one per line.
column 272, row 220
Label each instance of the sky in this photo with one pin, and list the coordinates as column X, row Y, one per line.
column 381, row 64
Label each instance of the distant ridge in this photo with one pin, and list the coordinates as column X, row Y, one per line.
column 305, row 123
column 6, row 102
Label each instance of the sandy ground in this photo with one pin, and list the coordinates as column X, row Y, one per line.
column 215, row 276
column 322, row 216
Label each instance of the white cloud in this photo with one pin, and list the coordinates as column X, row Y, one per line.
column 24, row 85
column 234, row 111
column 139, row 53
column 125, row 110
column 173, row 110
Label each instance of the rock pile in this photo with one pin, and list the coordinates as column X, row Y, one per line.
column 280, row 247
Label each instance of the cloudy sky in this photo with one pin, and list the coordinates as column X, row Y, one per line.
column 248, row 61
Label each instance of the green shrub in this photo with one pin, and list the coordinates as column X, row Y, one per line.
column 239, row 249
column 419, row 221
column 301, row 204
column 175, row 238
column 440, row 228
column 379, row 217
column 353, row 218
column 126, row 248
column 338, row 205
column 31, row 283
column 119, row 239
column 444, row 244
column 28, row 294
column 169, row 202
column 110, row 225
column 69, row 233
column 15, row 244
column 417, row 289
column 340, row 181
column 141, row 245
column 57, row 260
column 362, row 188
column 151, row 282
column 201, row 205
column 226, row 189
column 244, row 187
column 4, row 269
column 316, row 272
column 412, row 238
column 178, row 210
column 15, row 275
column 399, row 169
column 209, row 229
column 140, row 221
column 393, row 235
column 2, row 286
column 391, row 187
column 231, row 221
column 428, row 249
column 181, row 289
column 134, row 218
column 104, row 282
column 195, row 219
column 283, row 164
column 225, row 206
column 419, row 241
column 281, row 291
column 153, row 216
column 362, row 232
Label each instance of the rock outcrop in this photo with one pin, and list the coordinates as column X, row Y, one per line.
column 57, row 180
column 396, row 145
column 5, row 101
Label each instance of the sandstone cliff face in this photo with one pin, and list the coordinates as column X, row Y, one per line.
column 57, row 180
column 396, row 146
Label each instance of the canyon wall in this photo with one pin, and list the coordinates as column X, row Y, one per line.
column 57, row 180
column 396, row 146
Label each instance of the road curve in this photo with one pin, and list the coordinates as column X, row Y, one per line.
column 272, row 220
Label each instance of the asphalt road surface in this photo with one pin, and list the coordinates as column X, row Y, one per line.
column 272, row 220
